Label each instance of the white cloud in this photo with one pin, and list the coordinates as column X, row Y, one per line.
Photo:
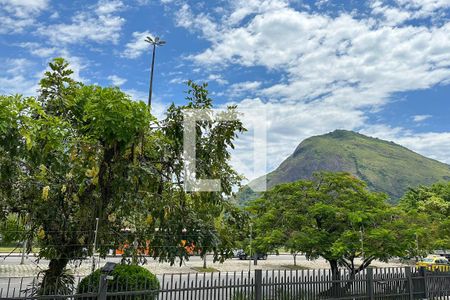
column 334, row 69
column 242, row 9
column 16, row 66
column 201, row 22
column 24, row 8
column 424, row 8
column 431, row 144
column 401, row 10
column 217, row 78
column 137, row 45
column 22, row 76
column 288, row 124
column 16, row 15
column 434, row 145
column 244, row 87
column 158, row 107
column 177, row 80
column 9, row 25
column 392, row 15
column 342, row 60
column 116, row 80
column 54, row 15
column 106, row 7
column 39, row 50
column 14, row 77
column 421, row 118
column 98, row 23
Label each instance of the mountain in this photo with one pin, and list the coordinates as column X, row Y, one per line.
column 385, row 166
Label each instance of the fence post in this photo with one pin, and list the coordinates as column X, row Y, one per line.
column 369, row 283
column 425, row 281
column 258, row 284
column 102, row 287
column 410, row 283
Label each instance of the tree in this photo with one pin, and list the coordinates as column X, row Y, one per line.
column 207, row 215
column 11, row 230
column 332, row 216
column 74, row 165
column 429, row 208
column 81, row 152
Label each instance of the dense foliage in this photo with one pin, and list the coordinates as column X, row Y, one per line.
column 333, row 216
column 80, row 152
column 429, row 207
column 124, row 278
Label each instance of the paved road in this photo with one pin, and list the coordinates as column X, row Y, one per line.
column 11, row 267
column 30, row 259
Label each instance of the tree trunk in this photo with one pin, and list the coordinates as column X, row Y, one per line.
column 55, row 280
column 204, row 261
column 295, row 259
column 335, row 276
column 353, row 271
column 57, row 266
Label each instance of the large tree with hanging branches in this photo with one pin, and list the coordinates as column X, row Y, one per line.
column 80, row 152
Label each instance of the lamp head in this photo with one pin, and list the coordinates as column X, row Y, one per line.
column 156, row 41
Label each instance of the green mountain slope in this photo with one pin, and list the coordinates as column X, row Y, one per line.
column 384, row 166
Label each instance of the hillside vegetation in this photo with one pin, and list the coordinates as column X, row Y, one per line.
column 384, row 166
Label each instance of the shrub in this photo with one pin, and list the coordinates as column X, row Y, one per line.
column 125, row 278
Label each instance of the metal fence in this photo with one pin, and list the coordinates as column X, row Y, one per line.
column 373, row 283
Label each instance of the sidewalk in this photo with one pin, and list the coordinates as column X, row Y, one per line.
column 32, row 269
column 273, row 263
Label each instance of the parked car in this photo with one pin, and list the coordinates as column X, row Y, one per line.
column 237, row 253
column 446, row 255
column 434, row 263
column 242, row 255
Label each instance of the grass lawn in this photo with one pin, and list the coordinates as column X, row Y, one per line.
column 15, row 250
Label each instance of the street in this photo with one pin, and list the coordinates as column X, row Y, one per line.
column 10, row 266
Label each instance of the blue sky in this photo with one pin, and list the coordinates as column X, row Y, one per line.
column 380, row 67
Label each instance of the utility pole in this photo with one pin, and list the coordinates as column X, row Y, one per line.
column 25, row 241
column 154, row 42
column 94, row 245
column 24, row 249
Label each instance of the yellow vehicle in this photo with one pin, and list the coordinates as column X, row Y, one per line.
column 434, row 263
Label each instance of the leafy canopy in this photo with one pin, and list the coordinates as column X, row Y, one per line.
column 333, row 216
column 429, row 208
column 80, row 152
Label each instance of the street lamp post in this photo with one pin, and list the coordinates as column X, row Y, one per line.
column 156, row 41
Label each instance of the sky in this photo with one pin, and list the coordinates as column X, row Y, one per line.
column 379, row 67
